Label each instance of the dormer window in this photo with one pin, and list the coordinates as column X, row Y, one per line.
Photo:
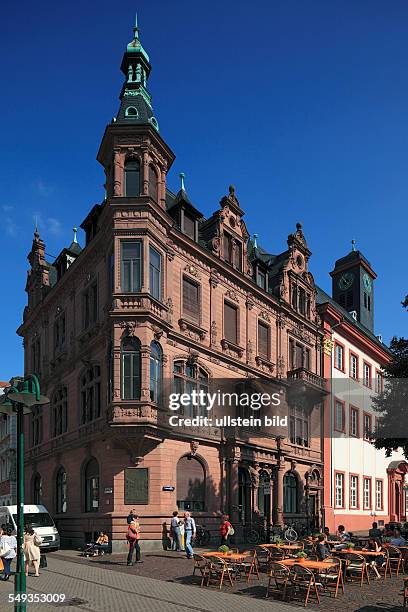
column 232, row 251
column 189, row 226
column 131, row 111
column 132, row 178
column 261, row 278
column 301, row 300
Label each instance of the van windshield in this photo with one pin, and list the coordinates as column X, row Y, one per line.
column 36, row 519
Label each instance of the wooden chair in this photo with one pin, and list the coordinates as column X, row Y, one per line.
column 303, row 581
column 219, row 569
column 202, row 565
column 384, row 569
column 276, row 554
column 356, row 567
column 395, row 559
column 278, row 582
column 332, row 578
column 249, row 566
column 262, row 556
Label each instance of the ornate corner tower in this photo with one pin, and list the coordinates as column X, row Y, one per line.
column 135, row 157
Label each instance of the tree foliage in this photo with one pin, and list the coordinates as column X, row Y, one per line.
column 392, row 405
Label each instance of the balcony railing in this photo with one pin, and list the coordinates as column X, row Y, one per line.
column 310, row 378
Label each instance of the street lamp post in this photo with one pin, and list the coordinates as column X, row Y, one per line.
column 20, row 400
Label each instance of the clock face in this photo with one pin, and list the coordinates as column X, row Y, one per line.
column 367, row 282
column 346, row 280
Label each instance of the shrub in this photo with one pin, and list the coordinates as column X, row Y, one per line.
column 223, row 549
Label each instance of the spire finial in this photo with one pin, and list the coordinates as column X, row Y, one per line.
column 36, row 234
column 136, row 28
column 182, row 177
column 353, row 245
column 255, row 241
column 75, row 230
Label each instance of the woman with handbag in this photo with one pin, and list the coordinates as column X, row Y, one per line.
column 8, row 550
column 31, row 549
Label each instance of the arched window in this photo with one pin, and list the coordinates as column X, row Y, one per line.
column 91, row 394
column 61, row 491
column 188, row 377
column 131, row 111
column 59, row 412
column 290, row 494
column 130, row 357
column 153, row 183
column 91, row 481
column 37, row 489
column 155, row 371
column 132, row 178
column 190, row 484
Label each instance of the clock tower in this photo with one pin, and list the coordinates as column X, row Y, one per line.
column 353, row 286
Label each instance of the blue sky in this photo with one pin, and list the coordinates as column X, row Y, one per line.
column 301, row 105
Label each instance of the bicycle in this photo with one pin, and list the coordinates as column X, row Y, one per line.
column 203, row 536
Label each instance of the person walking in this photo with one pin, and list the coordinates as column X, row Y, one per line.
column 190, row 533
column 31, row 548
column 176, row 532
column 8, row 542
column 225, row 528
column 131, row 516
column 133, row 537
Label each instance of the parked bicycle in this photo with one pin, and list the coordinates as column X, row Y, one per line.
column 254, row 534
column 203, row 536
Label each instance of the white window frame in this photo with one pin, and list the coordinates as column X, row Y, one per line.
column 339, row 490
column 353, row 492
column 366, row 494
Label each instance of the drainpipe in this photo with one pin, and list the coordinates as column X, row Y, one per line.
column 332, row 411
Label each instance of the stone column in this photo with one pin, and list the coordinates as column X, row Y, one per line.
column 145, row 173
column 233, row 490
column 145, row 373
column 117, row 173
column 279, row 496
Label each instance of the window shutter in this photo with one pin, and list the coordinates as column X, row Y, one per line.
column 263, row 340
column 191, row 300
column 231, row 323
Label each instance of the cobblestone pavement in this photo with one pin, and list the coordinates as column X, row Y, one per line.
column 89, row 587
column 164, row 582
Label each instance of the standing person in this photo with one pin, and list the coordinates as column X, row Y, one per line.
column 133, row 537
column 175, row 529
column 31, row 548
column 7, row 540
column 190, row 531
column 131, row 517
column 225, row 528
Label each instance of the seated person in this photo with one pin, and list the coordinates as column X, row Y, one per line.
column 343, row 536
column 374, row 532
column 329, row 536
column 102, row 543
column 375, row 546
column 397, row 539
column 322, row 551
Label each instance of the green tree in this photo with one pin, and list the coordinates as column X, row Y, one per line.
column 392, row 405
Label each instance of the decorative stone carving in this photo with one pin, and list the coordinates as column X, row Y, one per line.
column 194, row 444
column 191, row 269
column 214, row 279
column 232, row 294
column 265, row 316
column 281, row 320
column 192, row 330
column 213, row 333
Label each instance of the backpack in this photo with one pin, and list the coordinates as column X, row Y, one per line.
column 231, row 530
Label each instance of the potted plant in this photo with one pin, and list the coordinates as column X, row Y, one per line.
column 301, row 556
column 223, row 549
column 351, row 546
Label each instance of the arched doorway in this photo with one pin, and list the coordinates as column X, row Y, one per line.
column 264, row 496
column 190, row 484
column 397, row 471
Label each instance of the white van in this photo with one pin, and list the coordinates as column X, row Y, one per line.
column 39, row 519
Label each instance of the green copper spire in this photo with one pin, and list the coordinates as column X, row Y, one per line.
column 135, row 46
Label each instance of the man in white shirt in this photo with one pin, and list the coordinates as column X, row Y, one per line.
column 190, row 532
column 8, row 541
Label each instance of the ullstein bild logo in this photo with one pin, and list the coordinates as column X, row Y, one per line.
column 200, row 408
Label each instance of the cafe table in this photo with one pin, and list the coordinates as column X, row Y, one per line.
column 284, row 546
column 309, row 564
column 363, row 553
column 227, row 556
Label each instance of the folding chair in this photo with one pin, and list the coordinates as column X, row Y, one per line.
column 303, row 580
column 278, row 582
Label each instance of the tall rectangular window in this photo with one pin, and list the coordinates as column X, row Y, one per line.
column 339, row 357
column 90, row 305
column 378, row 382
column 339, row 416
column 367, row 426
column 339, row 489
column 131, row 266
column 263, row 340
column 231, row 323
column 353, row 366
column 232, row 251
column 353, row 491
column 191, row 300
column 261, row 279
column 155, row 273
column 354, row 429
column 379, row 495
column 367, row 375
column 367, row 494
